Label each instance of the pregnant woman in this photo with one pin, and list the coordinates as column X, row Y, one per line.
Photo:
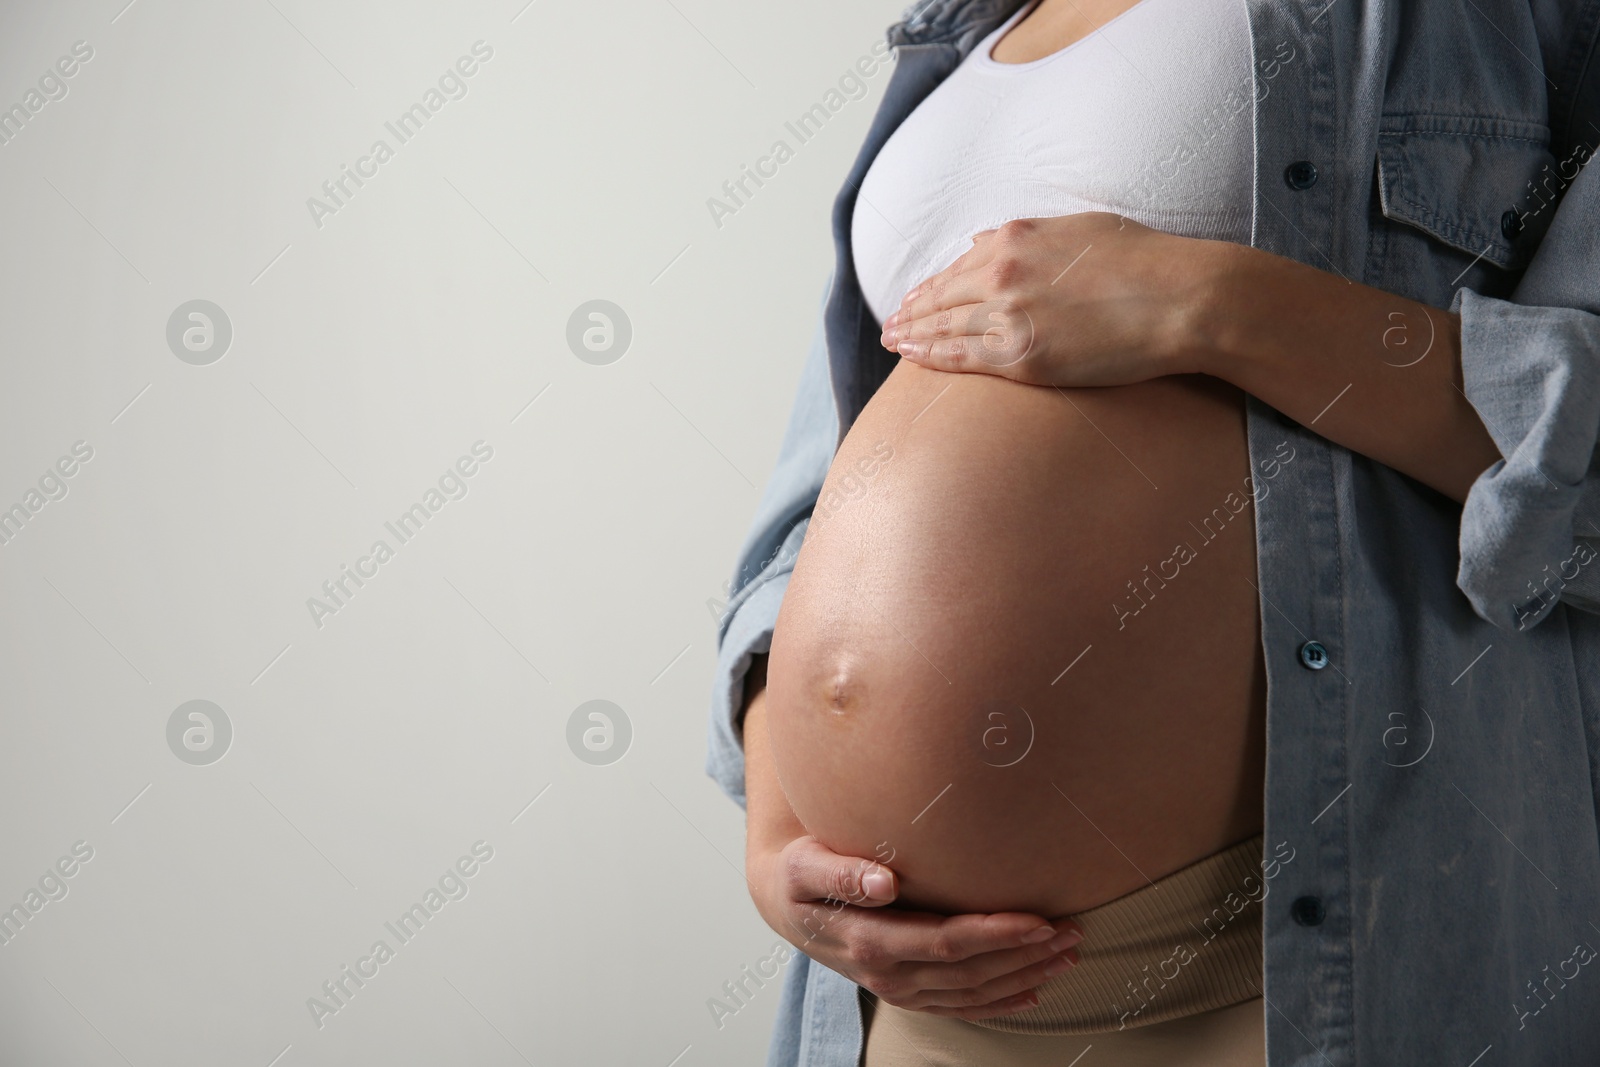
column 1171, row 629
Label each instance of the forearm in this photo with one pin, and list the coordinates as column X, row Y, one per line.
column 1374, row 372
column 770, row 823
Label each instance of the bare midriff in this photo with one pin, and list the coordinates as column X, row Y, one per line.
column 1019, row 657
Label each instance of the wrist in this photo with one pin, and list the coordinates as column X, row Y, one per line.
column 1213, row 324
column 764, row 837
column 758, row 861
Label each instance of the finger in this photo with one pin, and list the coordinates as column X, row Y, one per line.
column 959, row 283
column 932, row 288
column 896, row 936
column 983, row 337
column 980, row 971
column 978, row 254
column 957, row 320
column 955, row 291
column 814, row 872
column 1009, row 1006
column 998, row 989
column 933, row 292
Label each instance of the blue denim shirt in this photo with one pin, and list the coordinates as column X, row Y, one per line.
column 1438, row 785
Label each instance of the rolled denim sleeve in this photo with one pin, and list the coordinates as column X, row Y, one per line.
column 1530, row 528
column 766, row 559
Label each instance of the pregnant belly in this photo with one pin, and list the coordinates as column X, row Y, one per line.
column 1019, row 658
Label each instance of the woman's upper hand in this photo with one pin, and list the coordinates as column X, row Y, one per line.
column 1091, row 299
column 968, row 966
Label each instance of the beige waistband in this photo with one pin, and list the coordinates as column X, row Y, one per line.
column 1234, row 1036
column 1186, row 944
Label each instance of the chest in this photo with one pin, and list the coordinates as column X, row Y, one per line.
column 1147, row 115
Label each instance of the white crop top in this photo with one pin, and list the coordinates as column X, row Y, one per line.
column 1149, row 116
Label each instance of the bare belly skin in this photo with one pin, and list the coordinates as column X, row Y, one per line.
column 975, row 539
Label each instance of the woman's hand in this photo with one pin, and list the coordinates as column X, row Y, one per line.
column 1095, row 299
column 968, row 966
column 831, row 907
column 1092, row 299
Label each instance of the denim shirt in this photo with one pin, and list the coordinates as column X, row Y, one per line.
column 1437, row 784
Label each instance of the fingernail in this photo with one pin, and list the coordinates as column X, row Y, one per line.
column 1065, row 939
column 878, row 884
column 909, row 348
column 1043, row 933
column 888, row 323
column 1057, row 965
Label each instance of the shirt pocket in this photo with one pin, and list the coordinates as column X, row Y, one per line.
column 1459, row 202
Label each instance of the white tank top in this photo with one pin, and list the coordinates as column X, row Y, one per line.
column 1149, row 116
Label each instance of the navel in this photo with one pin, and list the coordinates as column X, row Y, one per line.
column 843, row 691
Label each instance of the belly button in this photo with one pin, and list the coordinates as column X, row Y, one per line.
column 840, row 694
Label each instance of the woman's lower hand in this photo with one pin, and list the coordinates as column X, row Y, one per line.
column 1091, row 299
column 831, row 907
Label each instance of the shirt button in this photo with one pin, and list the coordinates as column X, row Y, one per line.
column 1313, row 656
column 1511, row 224
column 1308, row 911
column 1301, row 175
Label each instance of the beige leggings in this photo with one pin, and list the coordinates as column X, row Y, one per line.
column 1168, row 976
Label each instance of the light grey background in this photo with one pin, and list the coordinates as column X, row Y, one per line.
column 368, row 354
